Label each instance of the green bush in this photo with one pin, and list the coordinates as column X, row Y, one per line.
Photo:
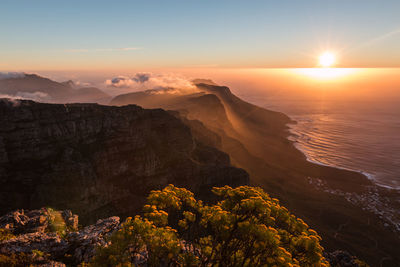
column 34, row 258
column 244, row 228
column 56, row 222
column 5, row 234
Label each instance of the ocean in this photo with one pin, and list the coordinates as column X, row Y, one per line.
column 359, row 136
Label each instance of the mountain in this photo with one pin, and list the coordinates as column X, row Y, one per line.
column 100, row 160
column 346, row 208
column 32, row 86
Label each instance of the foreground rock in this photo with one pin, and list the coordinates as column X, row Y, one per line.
column 343, row 258
column 83, row 244
column 33, row 221
column 31, row 240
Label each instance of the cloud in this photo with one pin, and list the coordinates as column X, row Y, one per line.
column 384, row 37
column 102, row 50
column 120, row 82
column 141, row 77
column 11, row 75
column 377, row 39
column 145, row 81
column 36, row 96
column 82, row 84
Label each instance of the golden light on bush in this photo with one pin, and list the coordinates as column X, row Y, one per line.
column 245, row 227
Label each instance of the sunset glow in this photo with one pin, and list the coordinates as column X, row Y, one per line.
column 327, row 59
column 325, row 73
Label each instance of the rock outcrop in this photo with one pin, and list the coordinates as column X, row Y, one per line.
column 99, row 160
column 32, row 240
column 343, row 259
column 82, row 244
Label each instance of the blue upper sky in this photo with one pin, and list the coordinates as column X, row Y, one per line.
column 129, row 34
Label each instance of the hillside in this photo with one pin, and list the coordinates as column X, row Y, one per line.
column 35, row 87
column 345, row 207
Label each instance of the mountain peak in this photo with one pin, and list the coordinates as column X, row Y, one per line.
column 203, row 81
column 214, row 88
column 69, row 84
column 11, row 75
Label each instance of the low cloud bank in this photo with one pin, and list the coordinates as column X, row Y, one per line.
column 11, row 75
column 145, row 81
column 36, row 96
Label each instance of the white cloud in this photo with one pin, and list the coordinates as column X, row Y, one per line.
column 82, row 84
column 36, row 96
column 145, row 81
column 11, row 75
column 120, row 82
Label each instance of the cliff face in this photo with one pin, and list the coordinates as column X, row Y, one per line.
column 98, row 160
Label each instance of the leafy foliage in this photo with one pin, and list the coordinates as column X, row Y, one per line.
column 245, row 227
column 56, row 222
column 34, row 258
column 5, row 234
column 17, row 259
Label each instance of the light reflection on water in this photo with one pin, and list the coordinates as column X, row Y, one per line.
column 356, row 136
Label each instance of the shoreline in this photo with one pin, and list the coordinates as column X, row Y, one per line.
column 371, row 177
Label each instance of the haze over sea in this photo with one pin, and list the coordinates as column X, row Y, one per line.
column 353, row 128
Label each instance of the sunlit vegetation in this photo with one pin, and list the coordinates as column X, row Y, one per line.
column 17, row 259
column 56, row 222
column 23, row 259
column 5, row 234
column 245, row 227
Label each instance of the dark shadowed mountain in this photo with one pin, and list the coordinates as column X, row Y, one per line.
column 344, row 206
column 32, row 86
column 100, row 160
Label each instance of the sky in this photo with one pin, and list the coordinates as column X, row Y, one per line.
column 135, row 35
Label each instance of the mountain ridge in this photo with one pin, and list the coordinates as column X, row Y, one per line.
column 48, row 90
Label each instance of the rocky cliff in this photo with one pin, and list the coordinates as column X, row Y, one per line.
column 100, row 160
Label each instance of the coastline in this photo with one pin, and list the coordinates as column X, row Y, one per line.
column 293, row 137
column 375, row 198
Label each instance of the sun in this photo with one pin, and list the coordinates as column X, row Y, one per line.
column 327, row 59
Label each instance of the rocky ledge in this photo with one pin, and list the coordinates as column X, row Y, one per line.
column 48, row 237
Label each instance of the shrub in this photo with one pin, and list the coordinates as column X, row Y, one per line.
column 244, row 228
column 5, row 234
column 17, row 259
column 56, row 222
